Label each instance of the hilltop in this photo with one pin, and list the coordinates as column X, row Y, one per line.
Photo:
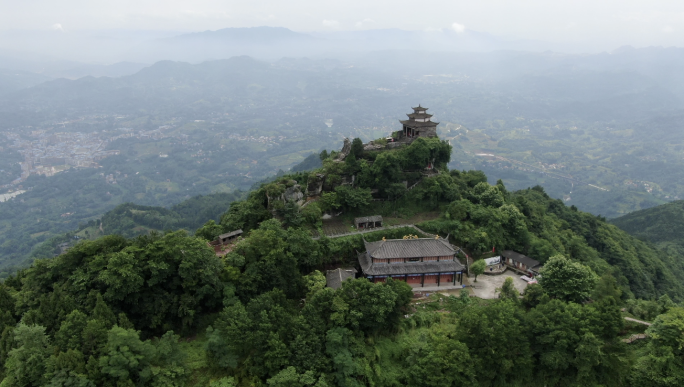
column 168, row 309
column 406, row 179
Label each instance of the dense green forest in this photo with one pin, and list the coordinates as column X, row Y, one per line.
column 662, row 226
column 163, row 309
column 126, row 219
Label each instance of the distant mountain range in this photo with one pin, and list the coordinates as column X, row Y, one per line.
column 13, row 80
column 277, row 42
column 259, row 42
column 77, row 54
column 17, row 63
column 256, row 35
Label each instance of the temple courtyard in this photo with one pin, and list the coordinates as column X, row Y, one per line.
column 485, row 287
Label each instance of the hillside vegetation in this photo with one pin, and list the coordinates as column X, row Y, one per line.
column 126, row 219
column 476, row 215
column 662, row 225
column 164, row 309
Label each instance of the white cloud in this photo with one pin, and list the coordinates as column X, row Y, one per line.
column 331, row 23
column 57, row 27
column 458, row 27
column 667, row 29
column 359, row 24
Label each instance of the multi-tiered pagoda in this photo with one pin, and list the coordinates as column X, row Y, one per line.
column 419, row 124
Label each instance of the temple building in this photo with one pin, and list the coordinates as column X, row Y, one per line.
column 521, row 262
column 420, row 262
column 334, row 278
column 229, row 237
column 419, row 124
column 368, row 222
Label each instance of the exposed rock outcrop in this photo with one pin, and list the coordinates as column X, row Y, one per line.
column 294, row 194
column 314, row 186
column 346, row 148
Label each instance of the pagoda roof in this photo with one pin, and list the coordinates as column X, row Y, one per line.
column 419, row 108
column 409, row 248
column 369, row 268
column 418, row 124
column 419, row 115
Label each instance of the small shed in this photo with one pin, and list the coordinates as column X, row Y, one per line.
column 334, row 278
column 229, row 237
column 520, row 262
column 368, row 222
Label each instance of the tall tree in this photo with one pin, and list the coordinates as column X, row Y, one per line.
column 357, row 147
column 508, row 291
column 477, row 268
column 127, row 357
column 26, row 364
column 567, row 280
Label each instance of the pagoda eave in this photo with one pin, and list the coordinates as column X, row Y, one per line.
column 418, row 124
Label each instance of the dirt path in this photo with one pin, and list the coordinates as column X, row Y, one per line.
column 633, row 338
column 376, row 229
column 638, row 321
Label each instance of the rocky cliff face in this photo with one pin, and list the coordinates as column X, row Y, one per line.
column 315, row 184
column 294, row 194
column 346, row 148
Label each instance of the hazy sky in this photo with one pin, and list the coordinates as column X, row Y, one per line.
column 618, row 22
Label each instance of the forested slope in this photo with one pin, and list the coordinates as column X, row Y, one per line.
column 476, row 215
column 163, row 309
column 130, row 220
column 662, row 225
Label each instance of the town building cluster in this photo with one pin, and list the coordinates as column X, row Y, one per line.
column 47, row 152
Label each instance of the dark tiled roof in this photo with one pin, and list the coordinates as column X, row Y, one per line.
column 230, row 234
column 366, row 219
column 419, row 108
column 527, row 261
column 370, row 268
column 418, row 124
column 334, row 278
column 419, row 115
column 409, row 248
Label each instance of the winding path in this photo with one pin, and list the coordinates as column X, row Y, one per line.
column 638, row 336
column 638, row 321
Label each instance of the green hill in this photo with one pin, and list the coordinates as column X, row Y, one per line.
column 476, row 215
column 662, row 225
column 165, row 310
column 131, row 220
